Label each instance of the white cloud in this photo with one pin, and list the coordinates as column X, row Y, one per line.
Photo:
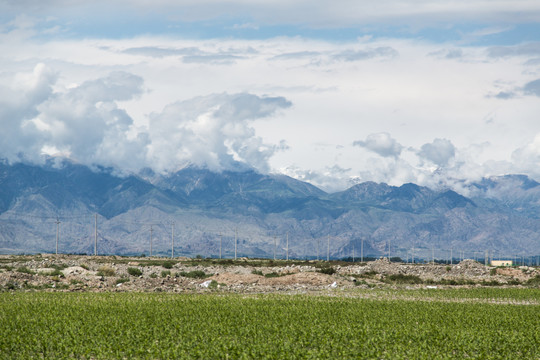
column 526, row 159
column 439, row 152
column 93, row 107
column 382, row 144
column 84, row 122
column 213, row 131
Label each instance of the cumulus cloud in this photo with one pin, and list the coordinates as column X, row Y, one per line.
column 330, row 179
column 439, row 152
column 86, row 124
column 382, row 144
column 214, row 131
column 526, row 158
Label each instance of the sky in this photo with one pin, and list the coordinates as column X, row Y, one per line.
column 438, row 93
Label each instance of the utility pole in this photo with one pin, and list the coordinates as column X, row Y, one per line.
column 220, row 244
column 412, row 253
column 362, row 251
column 235, row 241
column 57, row 233
column 353, row 253
column 172, row 241
column 328, row 249
column 388, row 249
column 95, row 234
column 451, row 256
column 287, row 246
column 432, row 255
column 151, row 240
column 318, row 241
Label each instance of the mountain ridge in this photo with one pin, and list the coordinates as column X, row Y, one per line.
column 500, row 215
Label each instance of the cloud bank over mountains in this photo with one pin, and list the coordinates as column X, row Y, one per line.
column 394, row 92
column 85, row 123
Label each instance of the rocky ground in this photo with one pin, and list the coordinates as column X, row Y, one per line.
column 109, row 273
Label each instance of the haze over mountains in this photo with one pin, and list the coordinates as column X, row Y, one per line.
column 500, row 214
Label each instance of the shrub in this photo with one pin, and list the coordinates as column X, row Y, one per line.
column 59, row 266
column 195, row 274
column 122, row 280
column 11, row 286
column 85, row 267
column 403, row 279
column 168, row 264
column 134, row 271
column 153, row 275
column 55, row 272
column 213, row 284
column 25, row 270
column 257, row 272
column 106, row 271
column 535, row 281
column 493, row 271
column 327, row 271
column 165, row 273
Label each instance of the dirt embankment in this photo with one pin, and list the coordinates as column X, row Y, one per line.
column 98, row 274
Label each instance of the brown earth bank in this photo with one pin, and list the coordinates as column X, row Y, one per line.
column 48, row 272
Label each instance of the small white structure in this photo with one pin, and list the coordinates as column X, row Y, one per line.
column 501, row 263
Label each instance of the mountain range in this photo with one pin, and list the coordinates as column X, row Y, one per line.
column 197, row 210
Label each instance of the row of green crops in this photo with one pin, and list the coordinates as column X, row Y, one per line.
column 216, row 326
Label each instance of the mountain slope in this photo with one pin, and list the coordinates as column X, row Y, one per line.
column 256, row 209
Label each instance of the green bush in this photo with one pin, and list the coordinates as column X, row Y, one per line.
column 257, row 272
column 106, row 271
column 213, row 284
column 195, row 274
column 25, row 270
column 122, row 280
column 272, row 275
column 168, row 264
column 327, row 271
column 55, row 272
column 59, row 266
column 134, row 271
column 535, row 281
column 403, row 279
column 165, row 273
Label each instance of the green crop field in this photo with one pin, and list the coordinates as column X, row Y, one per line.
column 438, row 324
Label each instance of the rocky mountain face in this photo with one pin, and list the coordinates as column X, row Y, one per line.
column 199, row 212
